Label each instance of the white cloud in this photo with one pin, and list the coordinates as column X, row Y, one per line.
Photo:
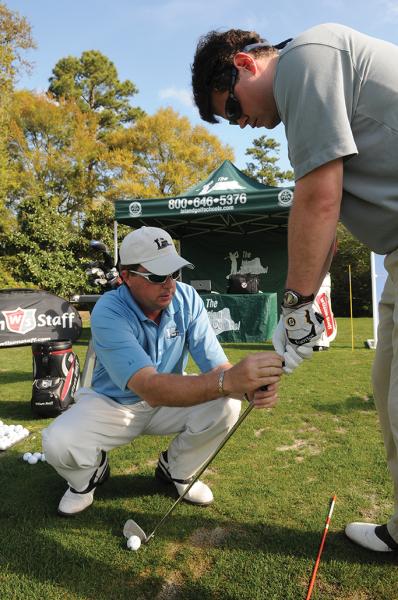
column 181, row 95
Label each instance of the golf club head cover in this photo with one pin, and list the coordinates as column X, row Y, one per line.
column 296, row 334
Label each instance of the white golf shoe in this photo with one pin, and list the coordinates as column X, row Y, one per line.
column 199, row 494
column 371, row 536
column 74, row 502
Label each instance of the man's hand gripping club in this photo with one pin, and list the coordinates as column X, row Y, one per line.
column 296, row 334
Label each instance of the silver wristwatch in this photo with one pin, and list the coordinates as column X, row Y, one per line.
column 292, row 299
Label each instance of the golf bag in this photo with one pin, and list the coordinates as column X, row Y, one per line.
column 243, row 284
column 56, row 373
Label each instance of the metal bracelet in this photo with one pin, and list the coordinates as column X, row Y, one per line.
column 221, row 383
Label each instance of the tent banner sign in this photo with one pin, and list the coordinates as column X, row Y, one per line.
column 202, row 204
column 227, row 190
column 30, row 316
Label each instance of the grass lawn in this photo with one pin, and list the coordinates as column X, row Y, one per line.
column 272, row 485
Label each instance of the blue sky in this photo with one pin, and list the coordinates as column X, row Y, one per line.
column 152, row 42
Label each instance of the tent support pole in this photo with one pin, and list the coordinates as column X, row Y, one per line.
column 115, row 248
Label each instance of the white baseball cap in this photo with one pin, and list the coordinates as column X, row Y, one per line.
column 152, row 248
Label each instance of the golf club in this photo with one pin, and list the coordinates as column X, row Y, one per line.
column 131, row 528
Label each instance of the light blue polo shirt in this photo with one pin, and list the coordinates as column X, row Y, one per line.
column 125, row 340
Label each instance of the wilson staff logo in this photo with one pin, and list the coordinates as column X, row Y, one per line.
column 20, row 320
column 23, row 320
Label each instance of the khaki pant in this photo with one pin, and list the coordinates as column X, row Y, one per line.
column 385, row 376
column 74, row 440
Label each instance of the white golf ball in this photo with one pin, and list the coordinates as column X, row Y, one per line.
column 32, row 460
column 38, row 455
column 27, row 455
column 134, row 542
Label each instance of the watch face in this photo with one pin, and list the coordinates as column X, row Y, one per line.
column 290, row 299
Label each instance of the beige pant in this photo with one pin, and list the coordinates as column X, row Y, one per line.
column 74, row 440
column 385, row 376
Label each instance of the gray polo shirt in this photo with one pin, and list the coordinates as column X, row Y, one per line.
column 337, row 94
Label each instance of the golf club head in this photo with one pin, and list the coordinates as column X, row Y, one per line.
column 98, row 245
column 131, row 528
column 101, row 247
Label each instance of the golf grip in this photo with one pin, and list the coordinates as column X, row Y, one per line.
column 206, row 464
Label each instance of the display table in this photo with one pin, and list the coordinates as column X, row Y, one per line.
column 242, row 317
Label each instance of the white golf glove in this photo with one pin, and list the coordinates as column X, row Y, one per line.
column 296, row 334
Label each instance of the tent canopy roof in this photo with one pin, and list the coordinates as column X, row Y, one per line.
column 227, row 201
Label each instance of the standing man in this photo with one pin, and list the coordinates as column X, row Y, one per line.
column 336, row 92
column 142, row 335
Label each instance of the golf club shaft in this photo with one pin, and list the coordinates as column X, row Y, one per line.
column 203, row 468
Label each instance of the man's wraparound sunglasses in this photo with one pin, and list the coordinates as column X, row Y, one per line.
column 233, row 109
column 156, row 278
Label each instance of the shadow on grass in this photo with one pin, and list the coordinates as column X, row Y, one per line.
column 16, row 377
column 17, row 410
column 353, row 403
column 83, row 341
column 263, row 347
column 35, row 540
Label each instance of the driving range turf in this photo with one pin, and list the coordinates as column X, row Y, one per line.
column 272, row 483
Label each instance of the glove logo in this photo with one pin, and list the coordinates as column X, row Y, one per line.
column 291, row 321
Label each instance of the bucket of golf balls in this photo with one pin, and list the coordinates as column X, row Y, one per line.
column 11, row 434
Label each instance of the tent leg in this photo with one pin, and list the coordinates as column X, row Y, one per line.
column 115, row 248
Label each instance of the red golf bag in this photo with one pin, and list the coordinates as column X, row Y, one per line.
column 56, row 373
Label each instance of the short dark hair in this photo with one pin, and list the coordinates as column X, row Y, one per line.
column 213, row 61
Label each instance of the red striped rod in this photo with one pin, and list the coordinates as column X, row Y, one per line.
column 318, row 558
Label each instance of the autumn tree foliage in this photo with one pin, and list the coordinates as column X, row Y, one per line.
column 163, row 155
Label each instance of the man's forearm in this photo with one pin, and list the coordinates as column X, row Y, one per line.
column 253, row 372
column 312, row 227
column 169, row 389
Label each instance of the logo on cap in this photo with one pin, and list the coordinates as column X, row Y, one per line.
column 161, row 243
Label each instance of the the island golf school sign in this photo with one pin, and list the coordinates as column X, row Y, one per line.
column 29, row 316
column 221, row 195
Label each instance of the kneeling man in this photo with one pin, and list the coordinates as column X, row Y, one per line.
column 142, row 335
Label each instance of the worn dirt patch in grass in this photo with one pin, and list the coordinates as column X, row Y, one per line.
column 308, row 429
column 172, row 587
column 209, row 538
column 325, row 589
column 372, row 513
column 340, row 430
column 300, row 445
column 259, row 432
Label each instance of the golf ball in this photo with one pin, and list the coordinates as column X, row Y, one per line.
column 134, row 542
column 27, row 455
column 32, row 460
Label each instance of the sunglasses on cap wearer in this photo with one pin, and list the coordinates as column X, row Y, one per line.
column 233, row 109
column 152, row 278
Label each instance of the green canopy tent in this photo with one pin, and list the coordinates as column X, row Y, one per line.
column 228, row 223
column 223, row 224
